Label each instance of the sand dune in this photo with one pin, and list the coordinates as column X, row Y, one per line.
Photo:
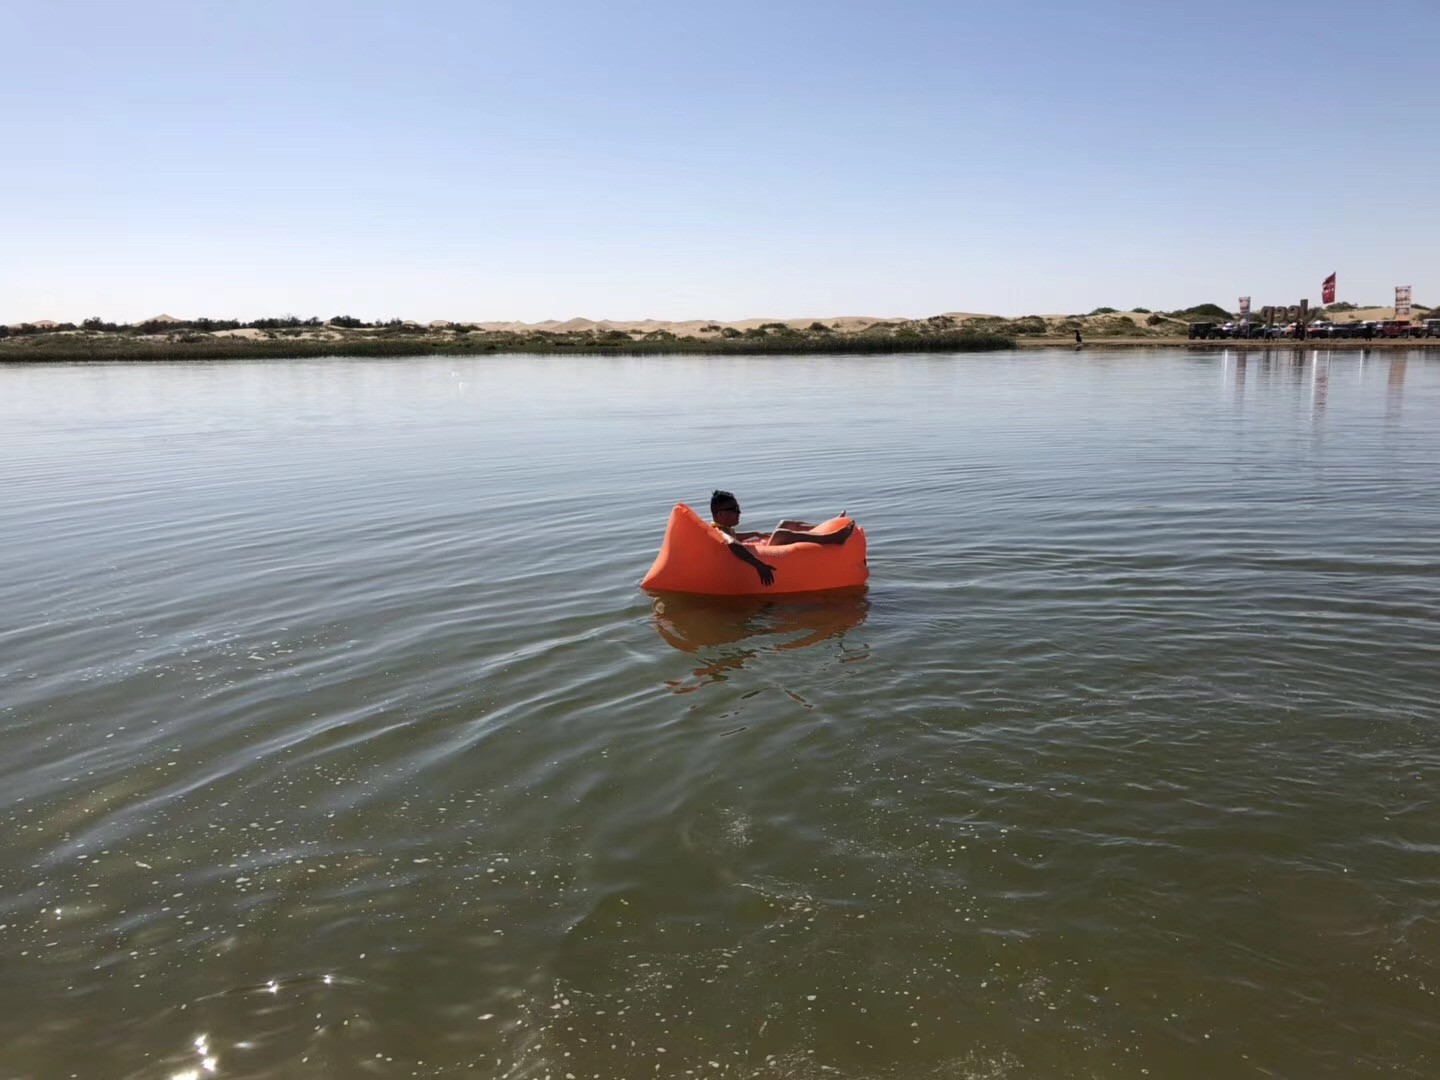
column 1378, row 314
column 682, row 328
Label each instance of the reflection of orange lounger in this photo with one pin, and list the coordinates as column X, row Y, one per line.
column 696, row 624
column 696, row 558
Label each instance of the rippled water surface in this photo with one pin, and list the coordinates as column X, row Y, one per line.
column 337, row 740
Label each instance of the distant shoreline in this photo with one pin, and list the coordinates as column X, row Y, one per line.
column 164, row 337
column 71, row 350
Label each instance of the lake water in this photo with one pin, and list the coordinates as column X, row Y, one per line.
column 336, row 738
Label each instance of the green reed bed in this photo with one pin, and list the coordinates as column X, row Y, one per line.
column 71, row 348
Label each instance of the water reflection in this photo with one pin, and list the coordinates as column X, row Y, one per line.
column 1319, row 388
column 1394, row 389
column 729, row 632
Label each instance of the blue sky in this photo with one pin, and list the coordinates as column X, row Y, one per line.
column 629, row 160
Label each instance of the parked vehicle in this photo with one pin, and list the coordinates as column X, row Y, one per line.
column 1321, row 328
column 1348, row 330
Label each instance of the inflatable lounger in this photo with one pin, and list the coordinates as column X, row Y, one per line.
column 696, row 558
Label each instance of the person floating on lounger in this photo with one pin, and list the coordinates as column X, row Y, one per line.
column 725, row 515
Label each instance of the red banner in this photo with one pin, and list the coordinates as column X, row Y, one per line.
column 1327, row 290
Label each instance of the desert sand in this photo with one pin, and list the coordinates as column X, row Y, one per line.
column 684, row 328
column 1376, row 314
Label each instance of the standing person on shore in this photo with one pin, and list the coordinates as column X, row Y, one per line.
column 1078, row 342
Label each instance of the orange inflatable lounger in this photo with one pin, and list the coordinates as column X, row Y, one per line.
column 696, row 558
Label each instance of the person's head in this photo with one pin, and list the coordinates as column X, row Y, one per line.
column 724, row 508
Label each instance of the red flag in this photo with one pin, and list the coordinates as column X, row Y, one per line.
column 1327, row 290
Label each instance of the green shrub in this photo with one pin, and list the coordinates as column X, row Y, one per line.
column 1103, row 311
column 1155, row 320
column 1203, row 311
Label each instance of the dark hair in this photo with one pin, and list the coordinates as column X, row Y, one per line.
column 720, row 498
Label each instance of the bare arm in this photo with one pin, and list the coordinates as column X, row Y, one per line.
column 741, row 552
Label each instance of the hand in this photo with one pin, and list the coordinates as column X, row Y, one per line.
column 767, row 573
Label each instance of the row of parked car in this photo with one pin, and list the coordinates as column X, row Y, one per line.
column 1390, row 328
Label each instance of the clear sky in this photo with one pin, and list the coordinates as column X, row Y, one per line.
column 483, row 160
